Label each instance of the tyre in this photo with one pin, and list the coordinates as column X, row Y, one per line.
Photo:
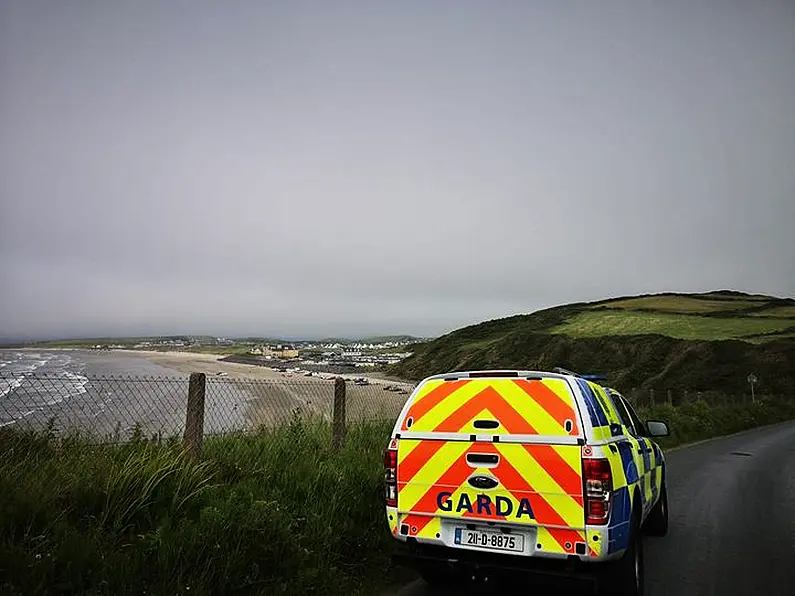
column 625, row 577
column 657, row 521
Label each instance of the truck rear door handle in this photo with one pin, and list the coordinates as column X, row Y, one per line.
column 482, row 459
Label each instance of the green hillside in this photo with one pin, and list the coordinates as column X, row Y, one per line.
column 705, row 342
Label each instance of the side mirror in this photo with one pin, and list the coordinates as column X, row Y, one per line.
column 657, row 428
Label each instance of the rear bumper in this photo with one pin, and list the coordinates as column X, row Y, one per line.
column 421, row 557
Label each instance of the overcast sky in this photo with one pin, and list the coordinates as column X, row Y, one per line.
column 344, row 168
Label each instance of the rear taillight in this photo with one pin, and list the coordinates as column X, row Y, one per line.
column 597, row 489
column 390, row 477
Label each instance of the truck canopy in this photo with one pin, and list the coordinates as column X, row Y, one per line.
column 491, row 447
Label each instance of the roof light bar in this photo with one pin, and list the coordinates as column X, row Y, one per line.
column 563, row 371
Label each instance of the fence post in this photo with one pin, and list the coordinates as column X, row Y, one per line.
column 338, row 426
column 651, row 396
column 670, row 398
column 194, row 417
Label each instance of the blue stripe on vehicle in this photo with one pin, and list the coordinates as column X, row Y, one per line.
column 653, row 477
column 628, row 462
column 646, row 455
column 618, row 530
column 598, row 417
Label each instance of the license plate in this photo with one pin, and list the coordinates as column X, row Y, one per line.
column 489, row 540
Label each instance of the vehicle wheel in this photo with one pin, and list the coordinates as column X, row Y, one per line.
column 625, row 577
column 657, row 521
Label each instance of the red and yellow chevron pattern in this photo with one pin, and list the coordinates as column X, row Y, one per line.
column 521, row 406
column 539, row 485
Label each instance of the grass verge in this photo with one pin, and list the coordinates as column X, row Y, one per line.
column 272, row 513
column 698, row 420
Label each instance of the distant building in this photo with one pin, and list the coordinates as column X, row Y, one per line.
column 280, row 351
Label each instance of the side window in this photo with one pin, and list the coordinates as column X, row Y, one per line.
column 604, row 401
column 623, row 413
column 608, row 407
column 639, row 426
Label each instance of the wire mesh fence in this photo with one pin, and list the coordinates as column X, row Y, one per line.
column 114, row 409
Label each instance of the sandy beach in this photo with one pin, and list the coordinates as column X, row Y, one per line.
column 190, row 362
column 274, row 401
column 211, row 364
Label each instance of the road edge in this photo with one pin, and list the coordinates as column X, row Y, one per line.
column 738, row 433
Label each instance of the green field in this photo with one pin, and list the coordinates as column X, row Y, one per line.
column 597, row 323
column 275, row 513
column 682, row 304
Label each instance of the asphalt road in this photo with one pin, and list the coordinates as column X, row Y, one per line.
column 732, row 524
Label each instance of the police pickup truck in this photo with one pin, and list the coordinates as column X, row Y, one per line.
column 536, row 472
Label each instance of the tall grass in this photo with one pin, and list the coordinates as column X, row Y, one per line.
column 273, row 513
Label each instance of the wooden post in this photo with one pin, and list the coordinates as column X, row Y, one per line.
column 651, row 397
column 670, row 398
column 338, row 425
column 194, row 418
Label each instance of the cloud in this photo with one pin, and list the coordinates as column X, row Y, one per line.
column 384, row 168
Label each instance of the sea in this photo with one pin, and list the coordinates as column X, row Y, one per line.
column 108, row 395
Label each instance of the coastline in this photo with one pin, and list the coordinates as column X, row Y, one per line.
column 256, row 392
column 211, row 364
column 281, row 393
